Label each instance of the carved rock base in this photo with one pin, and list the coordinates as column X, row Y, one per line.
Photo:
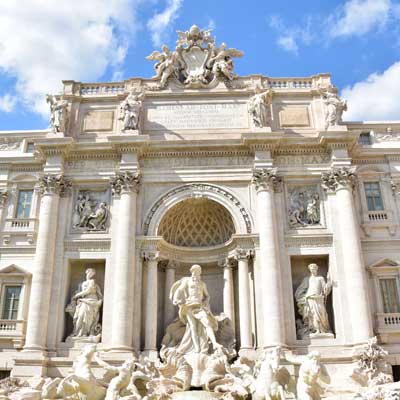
column 322, row 336
column 81, row 341
column 196, row 395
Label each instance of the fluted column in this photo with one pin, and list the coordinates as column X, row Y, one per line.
column 126, row 185
column 246, row 341
column 265, row 181
column 150, row 341
column 341, row 182
column 50, row 187
column 228, row 297
column 169, row 308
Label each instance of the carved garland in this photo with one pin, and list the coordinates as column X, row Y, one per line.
column 201, row 187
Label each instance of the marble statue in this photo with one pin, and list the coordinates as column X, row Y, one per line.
column 84, row 308
column 196, row 61
column 129, row 111
column 310, row 375
column 258, row 107
column 311, row 297
column 191, row 296
column 89, row 214
column 271, row 379
column 166, row 65
column 334, row 107
column 58, row 113
column 304, row 207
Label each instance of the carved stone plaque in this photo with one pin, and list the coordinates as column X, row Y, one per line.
column 98, row 120
column 290, row 116
column 196, row 116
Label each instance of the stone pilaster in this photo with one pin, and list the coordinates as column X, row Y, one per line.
column 266, row 180
column 125, row 185
column 340, row 181
column 50, row 188
column 169, row 308
column 150, row 342
column 228, row 297
column 243, row 256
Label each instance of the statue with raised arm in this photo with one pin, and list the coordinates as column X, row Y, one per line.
column 58, row 113
column 258, row 107
column 221, row 62
column 85, row 307
column 190, row 294
column 311, row 297
column 129, row 111
column 334, row 106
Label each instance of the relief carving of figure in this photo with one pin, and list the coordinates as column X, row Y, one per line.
column 191, row 295
column 97, row 220
column 58, row 113
column 129, row 111
column 221, row 61
column 311, row 373
column 89, row 214
column 258, row 106
column 304, row 207
column 311, row 297
column 84, row 308
column 334, row 107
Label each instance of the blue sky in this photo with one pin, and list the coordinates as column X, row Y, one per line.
column 45, row 41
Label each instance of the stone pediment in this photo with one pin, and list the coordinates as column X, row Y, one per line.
column 382, row 264
column 13, row 269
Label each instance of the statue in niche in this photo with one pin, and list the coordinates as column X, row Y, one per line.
column 84, row 309
column 258, row 107
column 334, row 106
column 58, row 113
column 304, row 207
column 129, row 111
column 311, row 374
column 190, row 294
column 89, row 214
column 311, row 296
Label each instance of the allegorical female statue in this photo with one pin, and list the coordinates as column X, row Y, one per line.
column 84, row 307
column 191, row 295
column 311, row 300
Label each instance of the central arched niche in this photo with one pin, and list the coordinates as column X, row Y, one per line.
column 197, row 222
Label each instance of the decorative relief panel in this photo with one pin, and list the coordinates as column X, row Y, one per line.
column 91, row 211
column 304, row 206
column 294, row 116
column 98, row 120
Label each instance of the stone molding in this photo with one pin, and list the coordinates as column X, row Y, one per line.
column 54, row 184
column 266, row 179
column 308, row 241
column 126, row 181
column 338, row 178
column 242, row 254
column 150, row 256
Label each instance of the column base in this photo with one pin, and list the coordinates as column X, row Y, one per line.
column 150, row 354
column 121, row 349
column 249, row 353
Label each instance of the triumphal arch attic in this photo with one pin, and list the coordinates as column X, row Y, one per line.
column 200, row 235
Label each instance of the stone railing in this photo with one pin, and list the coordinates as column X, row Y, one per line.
column 291, row 83
column 102, row 89
column 377, row 216
column 388, row 322
column 20, row 225
column 11, row 327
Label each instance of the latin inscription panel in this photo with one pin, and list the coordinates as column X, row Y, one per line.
column 196, row 116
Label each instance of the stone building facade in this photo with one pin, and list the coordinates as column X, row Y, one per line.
column 254, row 178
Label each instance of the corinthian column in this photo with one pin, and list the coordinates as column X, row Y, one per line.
column 341, row 182
column 265, row 181
column 228, row 298
column 246, row 341
column 50, row 187
column 126, row 185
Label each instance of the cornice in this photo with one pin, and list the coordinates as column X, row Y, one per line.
column 308, row 241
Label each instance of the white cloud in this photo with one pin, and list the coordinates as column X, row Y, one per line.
column 288, row 43
column 7, row 103
column 358, row 17
column 376, row 98
column 159, row 23
column 43, row 42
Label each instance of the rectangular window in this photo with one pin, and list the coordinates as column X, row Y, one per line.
column 30, row 147
column 24, row 203
column 390, row 295
column 374, row 196
column 365, row 139
column 11, row 302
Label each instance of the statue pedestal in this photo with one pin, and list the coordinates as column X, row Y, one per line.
column 196, row 395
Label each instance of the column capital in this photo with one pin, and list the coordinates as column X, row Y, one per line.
column 151, row 255
column 243, row 254
column 50, row 184
column 3, row 197
column 172, row 264
column 125, row 181
column 338, row 178
column 226, row 262
column 395, row 188
column 266, row 179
